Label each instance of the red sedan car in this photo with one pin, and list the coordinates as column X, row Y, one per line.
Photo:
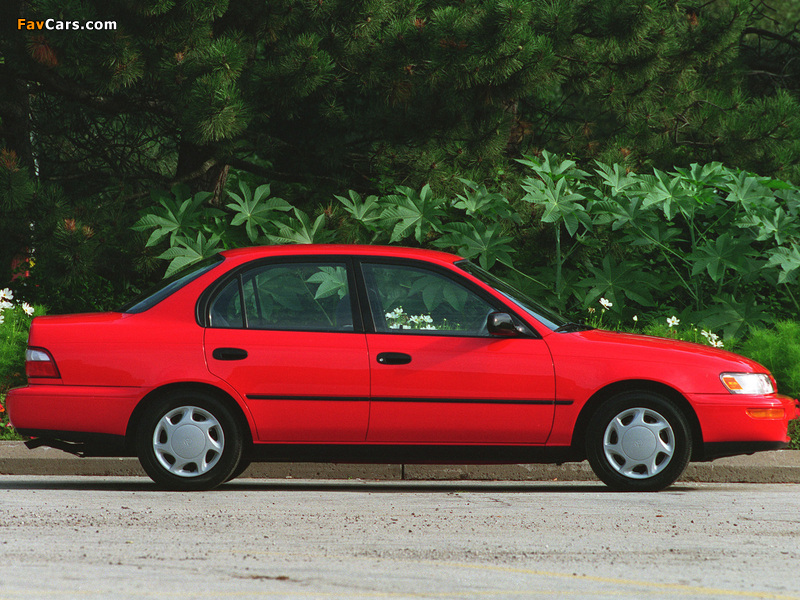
column 372, row 354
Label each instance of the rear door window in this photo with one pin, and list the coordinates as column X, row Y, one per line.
column 286, row 296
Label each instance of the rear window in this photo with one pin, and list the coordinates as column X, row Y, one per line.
column 170, row 285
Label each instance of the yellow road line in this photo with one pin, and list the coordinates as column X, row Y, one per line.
column 678, row 587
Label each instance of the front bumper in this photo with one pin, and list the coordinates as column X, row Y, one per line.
column 729, row 418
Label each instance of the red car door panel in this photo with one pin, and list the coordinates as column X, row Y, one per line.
column 300, row 386
column 282, row 334
column 461, row 390
column 437, row 374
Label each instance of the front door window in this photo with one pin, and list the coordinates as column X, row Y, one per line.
column 409, row 300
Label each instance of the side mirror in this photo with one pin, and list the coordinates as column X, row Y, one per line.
column 501, row 324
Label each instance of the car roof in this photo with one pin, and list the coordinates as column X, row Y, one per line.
column 252, row 252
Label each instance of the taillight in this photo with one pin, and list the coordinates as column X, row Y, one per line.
column 39, row 363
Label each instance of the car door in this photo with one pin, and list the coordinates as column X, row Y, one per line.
column 438, row 376
column 283, row 335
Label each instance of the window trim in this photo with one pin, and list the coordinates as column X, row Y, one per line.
column 537, row 311
column 359, row 300
column 455, row 276
column 206, row 299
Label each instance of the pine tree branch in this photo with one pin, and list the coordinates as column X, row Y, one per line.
column 772, row 35
column 270, row 174
column 196, row 174
column 754, row 72
column 36, row 73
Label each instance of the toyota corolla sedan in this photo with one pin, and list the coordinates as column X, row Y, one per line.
column 374, row 354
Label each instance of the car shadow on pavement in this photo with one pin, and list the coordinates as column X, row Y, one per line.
column 142, row 484
column 449, row 486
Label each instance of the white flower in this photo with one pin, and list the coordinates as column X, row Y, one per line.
column 713, row 338
column 6, row 294
column 27, row 308
column 635, row 318
column 4, row 305
column 673, row 321
column 2, row 318
column 395, row 317
column 606, row 303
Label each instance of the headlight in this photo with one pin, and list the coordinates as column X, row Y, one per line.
column 748, row 383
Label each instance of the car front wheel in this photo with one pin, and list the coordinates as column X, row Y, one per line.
column 638, row 441
column 189, row 441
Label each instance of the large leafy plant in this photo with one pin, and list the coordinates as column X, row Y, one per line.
column 715, row 246
column 475, row 223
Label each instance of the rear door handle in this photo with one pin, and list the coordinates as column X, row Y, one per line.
column 394, row 358
column 229, row 354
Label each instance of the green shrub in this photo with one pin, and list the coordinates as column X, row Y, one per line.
column 689, row 333
column 15, row 322
column 778, row 349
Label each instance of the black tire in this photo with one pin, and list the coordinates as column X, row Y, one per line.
column 189, row 440
column 243, row 464
column 638, row 441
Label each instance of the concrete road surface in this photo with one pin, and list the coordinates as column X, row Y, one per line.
column 120, row 538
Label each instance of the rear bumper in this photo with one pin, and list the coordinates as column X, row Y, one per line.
column 98, row 410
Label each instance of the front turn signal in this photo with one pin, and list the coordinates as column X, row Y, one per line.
column 765, row 413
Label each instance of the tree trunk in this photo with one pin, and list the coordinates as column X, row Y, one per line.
column 198, row 169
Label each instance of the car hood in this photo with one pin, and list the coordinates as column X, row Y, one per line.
column 666, row 349
column 598, row 358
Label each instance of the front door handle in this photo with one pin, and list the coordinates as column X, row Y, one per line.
column 394, row 358
column 229, row 354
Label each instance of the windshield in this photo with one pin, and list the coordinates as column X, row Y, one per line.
column 170, row 285
column 550, row 319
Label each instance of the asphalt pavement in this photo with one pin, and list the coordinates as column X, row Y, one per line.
column 781, row 466
column 88, row 538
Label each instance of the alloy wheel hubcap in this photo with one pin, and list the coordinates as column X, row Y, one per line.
column 639, row 443
column 188, row 441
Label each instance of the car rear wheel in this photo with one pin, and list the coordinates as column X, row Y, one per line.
column 189, row 440
column 638, row 441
